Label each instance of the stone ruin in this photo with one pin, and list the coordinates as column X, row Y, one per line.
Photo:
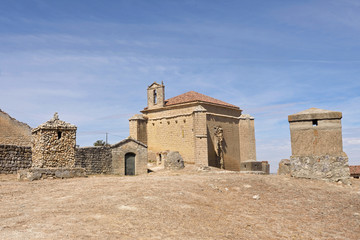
column 255, row 167
column 316, row 145
column 53, row 151
column 170, row 160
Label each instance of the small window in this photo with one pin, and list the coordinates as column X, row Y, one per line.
column 59, row 135
column 314, row 123
column 155, row 96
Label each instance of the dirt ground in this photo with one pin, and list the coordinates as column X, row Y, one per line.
column 187, row 204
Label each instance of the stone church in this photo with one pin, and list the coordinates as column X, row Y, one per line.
column 205, row 130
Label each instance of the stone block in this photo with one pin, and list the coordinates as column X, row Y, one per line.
column 284, row 167
column 326, row 167
column 173, row 161
column 250, row 166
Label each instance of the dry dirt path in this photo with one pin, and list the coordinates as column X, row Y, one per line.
column 183, row 205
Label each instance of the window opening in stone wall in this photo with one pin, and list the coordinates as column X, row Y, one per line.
column 59, row 135
column 314, row 123
column 155, row 96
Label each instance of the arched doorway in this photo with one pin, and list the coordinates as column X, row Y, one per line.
column 130, row 164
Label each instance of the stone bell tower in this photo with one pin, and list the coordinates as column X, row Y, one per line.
column 156, row 95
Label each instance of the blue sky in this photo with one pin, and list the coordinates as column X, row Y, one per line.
column 91, row 61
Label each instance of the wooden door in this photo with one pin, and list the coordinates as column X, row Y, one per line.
column 130, row 164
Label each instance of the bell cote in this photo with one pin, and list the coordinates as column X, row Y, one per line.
column 156, row 95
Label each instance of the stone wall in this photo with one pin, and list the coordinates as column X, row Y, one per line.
column 171, row 129
column 95, row 160
column 13, row 158
column 325, row 167
column 247, row 137
column 321, row 139
column 13, row 132
column 137, row 128
column 52, row 150
column 230, row 145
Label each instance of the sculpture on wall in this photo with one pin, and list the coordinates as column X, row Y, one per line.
column 218, row 144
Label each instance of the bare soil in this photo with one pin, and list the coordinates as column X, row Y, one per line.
column 187, row 204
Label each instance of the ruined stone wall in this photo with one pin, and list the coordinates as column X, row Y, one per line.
column 325, row 167
column 231, row 146
column 13, row 132
column 13, row 158
column 172, row 130
column 95, row 160
column 52, row 150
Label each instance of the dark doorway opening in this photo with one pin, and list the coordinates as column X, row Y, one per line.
column 130, row 164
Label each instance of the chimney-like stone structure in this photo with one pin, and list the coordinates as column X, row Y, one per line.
column 53, row 151
column 316, row 145
column 54, row 144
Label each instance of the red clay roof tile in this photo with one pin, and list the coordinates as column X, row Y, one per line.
column 193, row 97
column 354, row 169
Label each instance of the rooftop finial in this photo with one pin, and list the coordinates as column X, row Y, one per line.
column 56, row 116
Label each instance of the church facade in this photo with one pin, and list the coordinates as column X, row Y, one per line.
column 205, row 130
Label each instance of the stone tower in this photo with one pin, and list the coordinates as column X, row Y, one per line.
column 156, row 95
column 54, row 144
column 316, row 145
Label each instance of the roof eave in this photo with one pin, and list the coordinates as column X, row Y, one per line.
column 189, row 104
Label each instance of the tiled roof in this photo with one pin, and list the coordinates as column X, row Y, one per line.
column 354, row 170
column 194, row 97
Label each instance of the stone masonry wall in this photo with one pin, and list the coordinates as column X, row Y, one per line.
column 173, row 130
column 231, row 146
column 13, row 158
column 325, row 167
column 323, row 139
column 95, row 160
column 51, row 151
column 247, row 138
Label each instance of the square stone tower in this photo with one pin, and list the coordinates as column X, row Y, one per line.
column 54, row 144
column 316, row 145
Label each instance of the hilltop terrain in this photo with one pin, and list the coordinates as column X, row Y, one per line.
column 188, row 204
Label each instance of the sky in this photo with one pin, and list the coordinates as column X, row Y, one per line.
column 92, row 60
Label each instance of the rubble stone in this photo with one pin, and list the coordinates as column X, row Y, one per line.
column 173, row 161
column 284, row 167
